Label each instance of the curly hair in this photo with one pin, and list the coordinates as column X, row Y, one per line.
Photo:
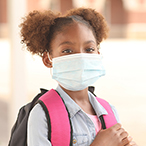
column 38, row 29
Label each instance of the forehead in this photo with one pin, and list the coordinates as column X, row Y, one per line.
column 75, row 32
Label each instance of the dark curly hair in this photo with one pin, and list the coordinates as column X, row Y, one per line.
column 38, row 29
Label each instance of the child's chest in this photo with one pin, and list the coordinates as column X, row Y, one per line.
column 83, row 129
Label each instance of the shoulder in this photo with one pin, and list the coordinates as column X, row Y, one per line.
column 37, row 128
column 115, row 113
column 37, row 114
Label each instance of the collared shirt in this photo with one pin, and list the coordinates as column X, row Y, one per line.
column 83, row 127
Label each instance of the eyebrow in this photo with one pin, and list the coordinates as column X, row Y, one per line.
column 71, row 43
column 66, row 43
column 90, row 41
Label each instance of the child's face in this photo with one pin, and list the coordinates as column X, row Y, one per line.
column 76, row 38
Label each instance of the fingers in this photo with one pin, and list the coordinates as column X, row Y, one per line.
column 132, row 143
column 126, row 141
column 116, row 126
column 120, row 135
column 123, row 133
column 120, row 131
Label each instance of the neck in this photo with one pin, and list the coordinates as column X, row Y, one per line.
column 81, row 98
column 77, row 96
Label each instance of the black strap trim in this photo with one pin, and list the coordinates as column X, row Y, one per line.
column 91, row 89
column 48, row 118
column 102, row 122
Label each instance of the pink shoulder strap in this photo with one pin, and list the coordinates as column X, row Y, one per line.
column 60, row 124
column 109, row 119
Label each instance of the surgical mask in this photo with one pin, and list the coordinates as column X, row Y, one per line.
column 77, row 71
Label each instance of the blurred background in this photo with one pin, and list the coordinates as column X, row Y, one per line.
column 124, row 52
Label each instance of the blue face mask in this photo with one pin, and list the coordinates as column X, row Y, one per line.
column 77, row 71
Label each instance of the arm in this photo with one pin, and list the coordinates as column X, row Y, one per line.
column 37, row 129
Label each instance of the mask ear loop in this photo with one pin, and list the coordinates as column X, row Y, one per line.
column 51, row 69
column 49, row 57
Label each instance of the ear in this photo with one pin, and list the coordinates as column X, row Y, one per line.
column 98, row 49
column 47, row 62
column 98, row 52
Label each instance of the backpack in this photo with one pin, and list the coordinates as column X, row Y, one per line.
column 59, row 119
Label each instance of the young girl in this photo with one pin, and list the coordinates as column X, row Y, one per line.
column 69, row 45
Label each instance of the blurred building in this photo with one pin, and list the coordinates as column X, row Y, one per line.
column 126, row 18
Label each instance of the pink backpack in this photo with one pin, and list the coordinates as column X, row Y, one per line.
column 59, row 119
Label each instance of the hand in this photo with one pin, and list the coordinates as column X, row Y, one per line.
column 113, row 136
column 132, row 143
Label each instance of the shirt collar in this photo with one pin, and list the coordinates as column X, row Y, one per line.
column 73, row 108
column 98, row 108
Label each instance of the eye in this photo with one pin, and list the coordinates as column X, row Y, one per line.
column 90, row 50
column 67, row 51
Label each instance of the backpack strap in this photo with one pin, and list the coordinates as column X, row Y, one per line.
column 109, row 119
column 59, row 119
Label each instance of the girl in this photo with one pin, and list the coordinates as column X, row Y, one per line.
column 69, row 45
